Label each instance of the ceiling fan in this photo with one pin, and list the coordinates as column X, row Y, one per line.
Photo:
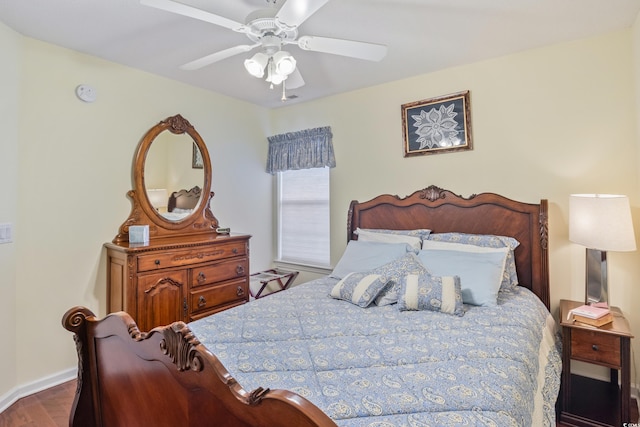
column 270, row 29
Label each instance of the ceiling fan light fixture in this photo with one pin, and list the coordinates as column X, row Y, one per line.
column 285, row 63
column 273, row 76
column 256, row 64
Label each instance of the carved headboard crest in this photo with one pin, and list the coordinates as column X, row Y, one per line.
column 433, row 193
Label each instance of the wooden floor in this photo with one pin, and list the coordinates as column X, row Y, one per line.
column 50, row 408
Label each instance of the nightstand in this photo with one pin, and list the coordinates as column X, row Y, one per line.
column 589, row 402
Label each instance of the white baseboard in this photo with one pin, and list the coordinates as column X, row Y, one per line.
column 25, row 390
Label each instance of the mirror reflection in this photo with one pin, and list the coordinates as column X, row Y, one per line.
column 173, row 176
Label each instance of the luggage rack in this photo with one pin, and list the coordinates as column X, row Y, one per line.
column 269, row 282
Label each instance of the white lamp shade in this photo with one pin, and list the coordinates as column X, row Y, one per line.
column 158, row 197
column 256, row 64
column 601, row 221
column 284, row 62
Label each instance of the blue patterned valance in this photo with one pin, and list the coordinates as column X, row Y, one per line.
column 305, row 149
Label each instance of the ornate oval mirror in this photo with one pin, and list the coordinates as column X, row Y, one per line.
column 173, row 185
column 172, row 182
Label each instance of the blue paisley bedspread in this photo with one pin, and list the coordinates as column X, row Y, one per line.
column 378, row 366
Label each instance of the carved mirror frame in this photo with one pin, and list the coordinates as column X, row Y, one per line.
column 200, row 221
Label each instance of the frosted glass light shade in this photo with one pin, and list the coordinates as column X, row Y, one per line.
column 256, row 64
column 601, row 221
column 284, row 62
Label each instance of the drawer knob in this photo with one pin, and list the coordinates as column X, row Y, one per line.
column 202, row 302
column 240, row 270
column 234, row 250
column 594, row 347
column 157, row 262
column 240, row 291
column 201, row 278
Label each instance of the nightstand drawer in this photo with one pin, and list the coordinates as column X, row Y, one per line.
column 596, row 347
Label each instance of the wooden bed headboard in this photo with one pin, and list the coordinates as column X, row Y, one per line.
column 487, row 213
column 184, row 199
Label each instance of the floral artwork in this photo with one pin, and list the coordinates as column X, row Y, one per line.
column 437, row 125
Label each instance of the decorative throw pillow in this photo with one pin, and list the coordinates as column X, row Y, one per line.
column 480, row 269
column 358, row 288
column 392, row 272
column 376, row 236
column 428, row 292
column 363, row 256
column 510, row 278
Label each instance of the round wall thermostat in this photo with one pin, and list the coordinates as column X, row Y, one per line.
column 86, row 93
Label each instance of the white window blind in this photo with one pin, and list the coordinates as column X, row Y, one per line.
column 303, row 216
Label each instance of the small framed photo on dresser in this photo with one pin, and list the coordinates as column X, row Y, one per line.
column 437, row 125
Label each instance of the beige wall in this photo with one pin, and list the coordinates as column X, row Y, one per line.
column 546, row 123
column 9, row 83
column 74, row 171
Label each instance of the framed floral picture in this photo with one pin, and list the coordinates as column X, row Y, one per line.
column 437, row 125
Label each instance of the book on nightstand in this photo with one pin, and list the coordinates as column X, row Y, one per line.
column 591, row 315
column 603, row 320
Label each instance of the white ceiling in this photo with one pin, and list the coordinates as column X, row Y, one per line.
column 422, row 36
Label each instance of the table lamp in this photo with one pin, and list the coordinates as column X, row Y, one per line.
column 601, row 222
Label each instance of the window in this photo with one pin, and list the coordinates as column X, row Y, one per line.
column 303, row 216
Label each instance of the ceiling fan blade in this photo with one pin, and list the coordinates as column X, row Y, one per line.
column 295, row 12
column 192, row 12
column 354, row 49
column 218, row 56
column 294, row 80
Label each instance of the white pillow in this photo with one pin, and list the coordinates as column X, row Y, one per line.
column 480, row 269
column 374, row 236
column 364, row 256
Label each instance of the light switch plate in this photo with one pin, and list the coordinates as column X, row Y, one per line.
column 6, row 233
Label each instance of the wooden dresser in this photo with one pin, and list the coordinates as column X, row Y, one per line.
column 171, row 279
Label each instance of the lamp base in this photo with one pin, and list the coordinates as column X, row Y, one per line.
column 596, row 288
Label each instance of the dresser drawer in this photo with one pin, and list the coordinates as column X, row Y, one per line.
column 180, row 257
column 219, row 271
column 596, row 347
column 208, row 298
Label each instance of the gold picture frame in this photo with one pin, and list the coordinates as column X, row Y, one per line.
column 437, row 125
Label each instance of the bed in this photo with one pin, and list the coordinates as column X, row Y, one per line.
column 181, row 203
column 339, row 350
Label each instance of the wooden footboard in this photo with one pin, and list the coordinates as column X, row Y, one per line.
column 167, row 378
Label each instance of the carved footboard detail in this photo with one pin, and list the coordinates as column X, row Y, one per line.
column 180, row 345
column 167, row 377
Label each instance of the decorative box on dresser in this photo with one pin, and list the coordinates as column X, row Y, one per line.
column 177, row 279
column 170, row 260
column 590, row 402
